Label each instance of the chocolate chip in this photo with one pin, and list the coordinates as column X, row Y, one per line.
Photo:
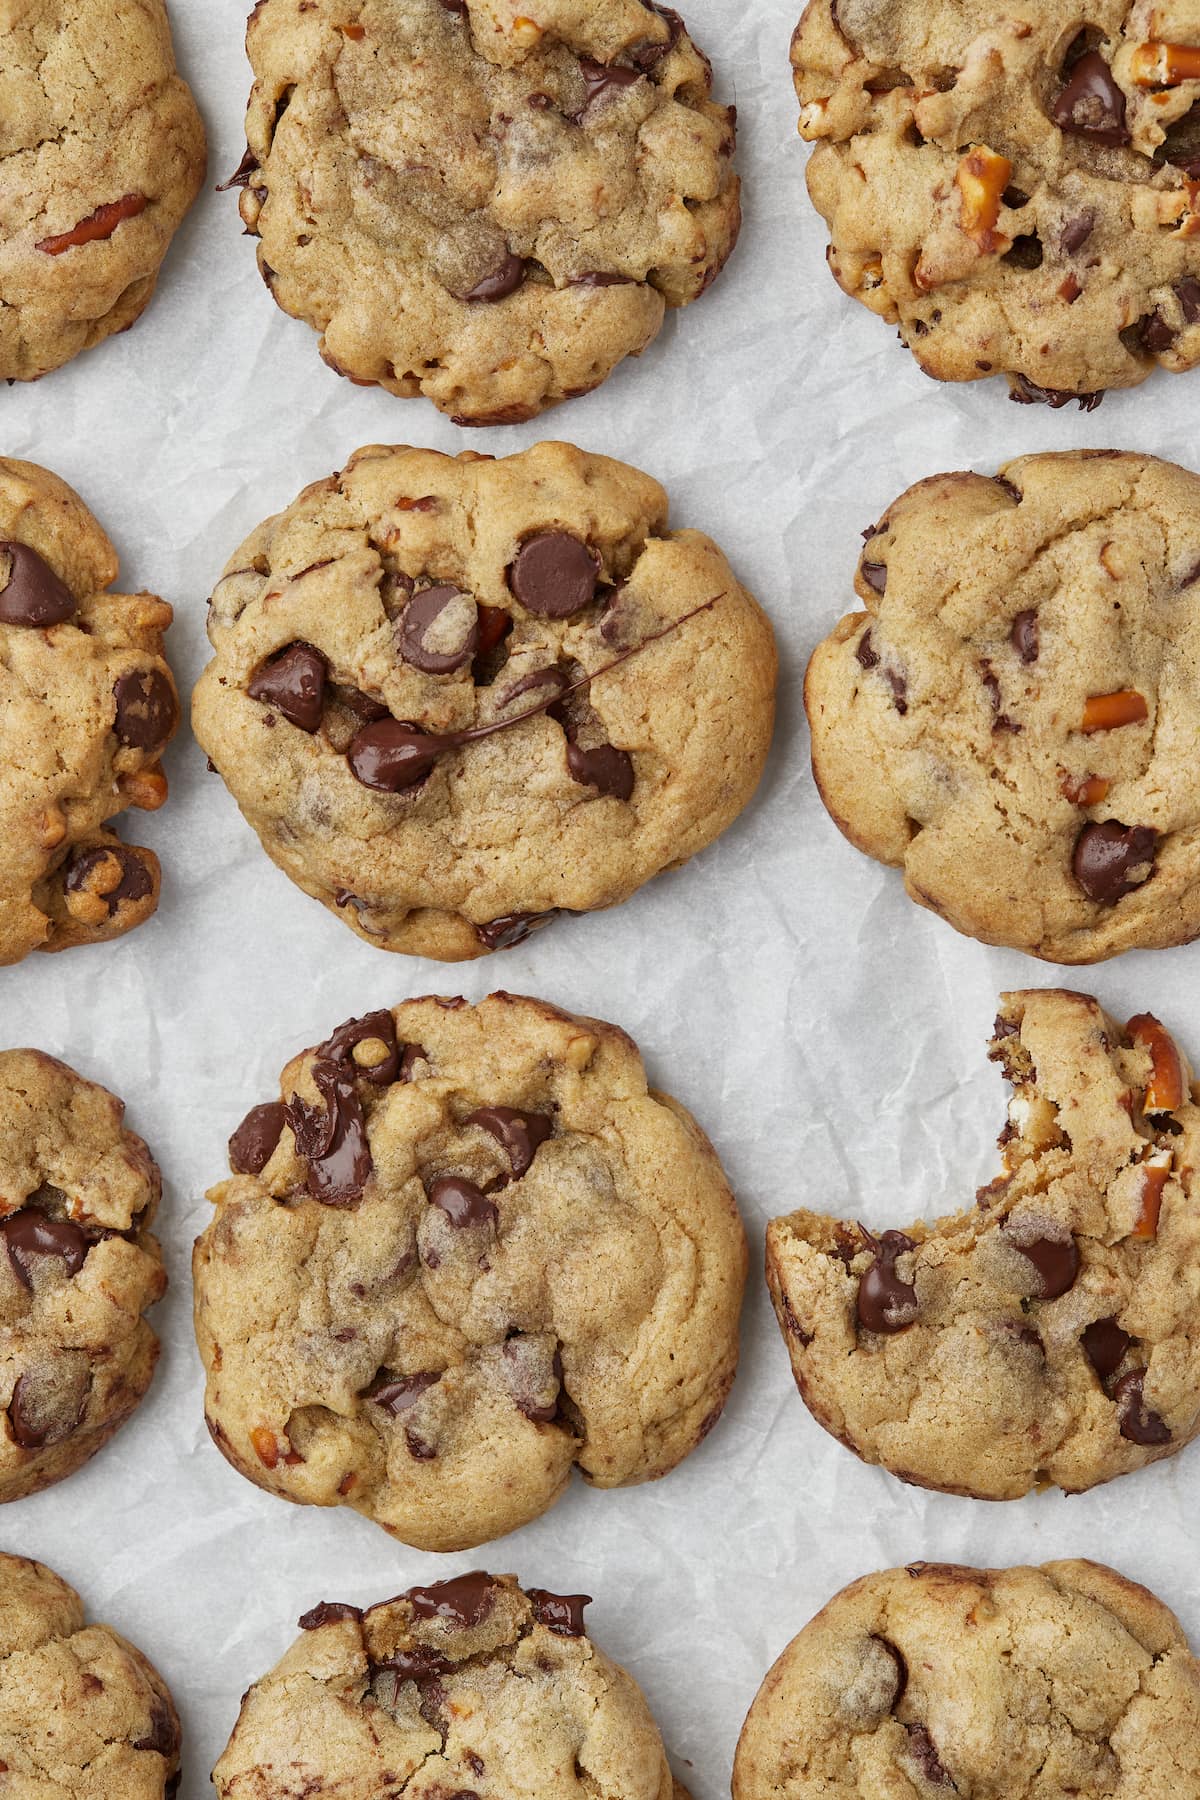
column 33, row 594
column 1056, row 1260
column 868, row 657
column 606, row 768
column 418, row 635
column 1108, row 857
column 560, row 1613
column 924, row 1753
column 648, row 56
column 521, row 1133
column 418, row 1664
column 412, row 1055
column 601, row 278
column 463, row 1203
column 294, row 684
column 502, row 281
column 875, row 575
column 391, row 757
column 332, row 1138
column 29, row 1235
column 48, row 1403
column 462, row 1602
column 397, row 1393
column 253, row 1143
column 1028, row 393
column 899, row 687
column 1153, row 334
column 1076, row 232
column 327, row 1612
column 1139, row 1423
column 1105, row 1345
column 885, row 1302
column 1187, row 292
column 111, row 872
column 601, row 80
column 147, row 711
column 511, row 929
column 1024, row 635
column 897, row 1656
column 554, row 575
column 1091, row 104
column 241, row 175
column 380, row 1026
column 163, row 1735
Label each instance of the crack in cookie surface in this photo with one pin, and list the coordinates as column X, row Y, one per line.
column 1050, row 1334
column 466, row 1252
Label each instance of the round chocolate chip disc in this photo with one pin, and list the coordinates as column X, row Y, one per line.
column 555, row 575
column 439, row 630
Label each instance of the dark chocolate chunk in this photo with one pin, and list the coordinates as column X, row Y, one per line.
column 294, row 684
column 885, row 1302
column 29, row 1236
column 391, row 756
column 1056, row 1260
column 34, row 595
column 326, row 1612
column 1107, row 856
column 462, row 1602
column 1090, row 104
column 1076, row 232
column 867, row 656
column 502, row 281
column 462, row 1202
column 1105, row 1345
column 601, row 80
column 560, row 1613
column 332, row 1137
column 1024, row 635
column 513, row 928
column 163, row 1735
column 147, row 710
column 253, row 1143
column 1139, row 1423
column 397, row 1393
column 875, row 575
column 521, row 1133
column 606, row 768
column 90, row 870
column 1028, row 393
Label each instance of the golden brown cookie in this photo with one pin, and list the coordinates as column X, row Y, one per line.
column 467, row 1251
column 480, row 206
column 1068, row 1682
column 102, row 152
column 1018, row 190
column 87, row 706
column 470, row 1685
column 1012, row 718
column 78, row 1268
column 456, row 696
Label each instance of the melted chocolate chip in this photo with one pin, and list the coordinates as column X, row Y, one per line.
column 521, row 1133
column 1076, row 232
column 605, row 768
column 502, row 281
column 327, row 1612
column 241, row 175
column 1056, row 1260
column 29, row 1235
column 34, row 595
column 294, row 684
column 462, row 1202
column 1139, row 1423
column 924, row 1753
column 417, row 1664
column 254, row 1142
column 147, row 710
column 462, row 1602
column 380, row 1026
column 600, row 80
column 35, row 1425
column 601, row 278
column 1028, row 393
column 511, row 929
column 897, row 1657
column 885, row 1302
column 1187, row 292
column 875, row 575
column 418, row 626
column 163, row 1735
column 560, row 1613
column 868, row 657
column 1091, row 104
column 332, row 1138
column 133, row 881
column 1107, row 856
column 397, row 1393
column 648, row 56
column 391, row 756
column 1105, row 1345
column 1024, row 636
column 1153, row 334
column 554, row 575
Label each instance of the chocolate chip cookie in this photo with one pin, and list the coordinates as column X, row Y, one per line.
column 468, row 1686
column 87, row 706
column 83, row 1715
column 478, row 206
column 102, row 152
column 78, row 1268
column 1068, row 1680
column 1018, row 190
column 1012, row 719
column 1048, row 1334
column 466, row 1250
column 455, row 696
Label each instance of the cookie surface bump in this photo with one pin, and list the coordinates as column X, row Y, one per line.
column 456, row 696
column 1019, row 193
column 102, row 152
column 1012, row 717
column 468, row 1251
column 477, row 206
column 1064, row 1680
column 1049, row 1333
column 466, row 1685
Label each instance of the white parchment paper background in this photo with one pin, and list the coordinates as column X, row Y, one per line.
column 828, row 1034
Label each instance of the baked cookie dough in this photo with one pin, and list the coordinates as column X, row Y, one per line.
column 78, row 1268
column 480, row 207
column 467, row 1251
column 87, row 706
column 1067, row 1682
column 102, row 152
column 456, row 696
column 1018, row 189
column 83, row 1715
column 1013, row 719
column 468, row 1686
column 1049, row 1334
